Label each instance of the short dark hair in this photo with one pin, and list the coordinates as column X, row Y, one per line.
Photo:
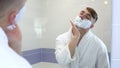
column 93, row 13
column 6, row 4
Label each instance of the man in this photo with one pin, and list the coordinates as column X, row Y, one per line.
column 11, row 10
column 79, row 47
column 10, row 36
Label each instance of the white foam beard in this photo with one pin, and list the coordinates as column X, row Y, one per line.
column 82, row 23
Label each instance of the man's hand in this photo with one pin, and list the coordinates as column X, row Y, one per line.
column 14, row 39
column 74, row 41
column 75, row 30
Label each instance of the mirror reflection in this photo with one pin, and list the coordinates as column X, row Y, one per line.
column 44, row 21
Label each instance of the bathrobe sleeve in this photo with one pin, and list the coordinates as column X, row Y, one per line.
column 62, row 52
column 102, row 58
column 8, row 57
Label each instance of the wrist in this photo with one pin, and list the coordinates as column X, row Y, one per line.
column 76, row 38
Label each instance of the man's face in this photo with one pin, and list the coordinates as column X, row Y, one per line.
column 85, row 14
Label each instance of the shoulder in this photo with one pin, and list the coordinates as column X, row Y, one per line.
column 3, row 36
column 96, row 41
column 62, row 36
column 100, row 44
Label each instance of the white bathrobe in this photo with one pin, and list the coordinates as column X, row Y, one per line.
column 9, row 58
column 91, row 52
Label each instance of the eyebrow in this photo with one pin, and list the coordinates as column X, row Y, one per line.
column 89, row 15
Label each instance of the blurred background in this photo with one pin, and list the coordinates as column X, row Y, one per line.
column 44, row 20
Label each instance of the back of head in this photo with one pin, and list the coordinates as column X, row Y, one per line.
column 7, row 5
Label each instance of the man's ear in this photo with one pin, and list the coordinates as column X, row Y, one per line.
column 92, row 26
column 11, row 17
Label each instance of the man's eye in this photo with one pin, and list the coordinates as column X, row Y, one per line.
column 81, row 12
column 88, row 17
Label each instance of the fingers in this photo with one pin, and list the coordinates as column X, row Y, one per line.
column 73, row 25
column 75, row 31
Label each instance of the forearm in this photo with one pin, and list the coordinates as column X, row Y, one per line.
column 74, row 41
column 72, row 45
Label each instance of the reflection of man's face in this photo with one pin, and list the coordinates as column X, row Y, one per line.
column 85, row 14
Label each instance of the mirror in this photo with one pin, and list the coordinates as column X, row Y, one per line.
column 44, row 20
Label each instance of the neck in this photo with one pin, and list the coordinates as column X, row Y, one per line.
column 3, row 27
column 3, row 23
column 82, row 33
